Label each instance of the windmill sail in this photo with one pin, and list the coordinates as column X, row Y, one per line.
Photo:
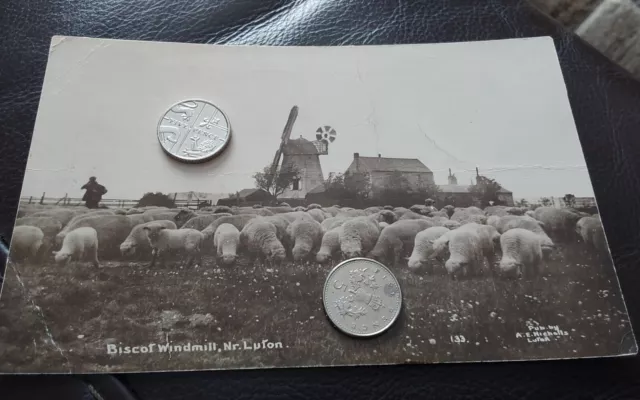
column 286, row 133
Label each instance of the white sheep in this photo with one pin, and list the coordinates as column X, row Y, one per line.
column 358, row 236
column 26, row 242
column 165, row 240
column 423, row 246
column 521, row 252
column 330, row 245
column 306, row 236
column 138, row 242
column 398, row 238
column 226, row 240
column 260, row 238
column 79, row 244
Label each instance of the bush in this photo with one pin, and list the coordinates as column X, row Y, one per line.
column 156, row 199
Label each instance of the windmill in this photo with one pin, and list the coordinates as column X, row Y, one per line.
column 303, row 155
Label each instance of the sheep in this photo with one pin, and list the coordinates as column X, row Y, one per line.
column 222, row 209
column 332, row 222
column 530, row 213
column 305, row 235
column 521, row 249
column 263, row 212
column 317, row 214
column 300, row 208
column 372, row 210
column 333, row 210
column 280, row 209
column 330, row 245
column 183, row 216
column 260, row 239
column 284, row 204
column 112, row 231
column 384, row 216
column 435, row 214
column 387, row 207
column 449, row 209
column 499, row 211
column 351, row 213
column 226, row 240
column 165, row 240
column 257, row 206
column 137, row 219
column 508, row 222
column 489, row 239
column 591, row 231
column 400, row 211
column 451, row 224
column 382, row 225
column 439, row 220
column 312, row 206
column 200, row 222
column 292, row 216
column 281, row 225
column 133, row 211
column 516, row 210
column 50, row 228
column 78, row 244
column 420, row 209
column 73, row 223
column 466, row 254
column 60, row 214
column 397, row 238
column 239, row 221
column 469, row 215
column 137, row 241
column 558, row 222
column 423, row 246
column 358, row 236
column 410, row 215
column 26, row 242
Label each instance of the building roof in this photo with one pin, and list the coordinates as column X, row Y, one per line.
column 299, row 147
column 247, row 192
column 318, row 189
column 463, row 189
column 385, row 164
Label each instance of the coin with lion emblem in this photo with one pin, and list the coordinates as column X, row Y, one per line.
column 362, row 297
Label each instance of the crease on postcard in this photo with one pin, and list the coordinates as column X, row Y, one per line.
column 41, row 315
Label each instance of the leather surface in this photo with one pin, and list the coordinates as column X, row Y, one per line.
column 605, row 102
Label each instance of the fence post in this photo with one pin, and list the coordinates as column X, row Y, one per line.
column 42, row 198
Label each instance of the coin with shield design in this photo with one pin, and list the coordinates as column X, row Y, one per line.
column 362, row 297
column 194, row 131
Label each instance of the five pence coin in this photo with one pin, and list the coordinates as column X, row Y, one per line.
column 362, row 297
column 194, row 131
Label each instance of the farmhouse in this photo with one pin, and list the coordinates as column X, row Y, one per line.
column 381, row 169
column 460, row 196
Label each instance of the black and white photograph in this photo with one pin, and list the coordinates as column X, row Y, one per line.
column 203, row 207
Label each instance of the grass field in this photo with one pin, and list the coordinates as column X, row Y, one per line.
column 61, row 319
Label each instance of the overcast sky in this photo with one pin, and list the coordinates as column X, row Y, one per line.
column 500, row 106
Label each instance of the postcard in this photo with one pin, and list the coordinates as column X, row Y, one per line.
column 201, row 207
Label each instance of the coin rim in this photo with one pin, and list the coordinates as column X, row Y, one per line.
column 324, row 298
column 197, row 160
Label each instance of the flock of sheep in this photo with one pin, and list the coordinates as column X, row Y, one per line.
column 465, row 237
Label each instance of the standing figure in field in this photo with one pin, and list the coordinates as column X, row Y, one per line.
column 94, row 193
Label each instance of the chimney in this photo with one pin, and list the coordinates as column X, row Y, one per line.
column 356, row 156
column 477, row 176
column 379, row 155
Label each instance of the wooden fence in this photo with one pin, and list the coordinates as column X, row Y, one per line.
column 111, row 203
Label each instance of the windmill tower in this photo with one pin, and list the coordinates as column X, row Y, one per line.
column 304, row 156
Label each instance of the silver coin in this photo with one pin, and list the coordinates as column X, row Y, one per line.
column 194, row 131
column 362, row 297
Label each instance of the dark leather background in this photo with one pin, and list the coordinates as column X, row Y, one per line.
column 604, row 99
